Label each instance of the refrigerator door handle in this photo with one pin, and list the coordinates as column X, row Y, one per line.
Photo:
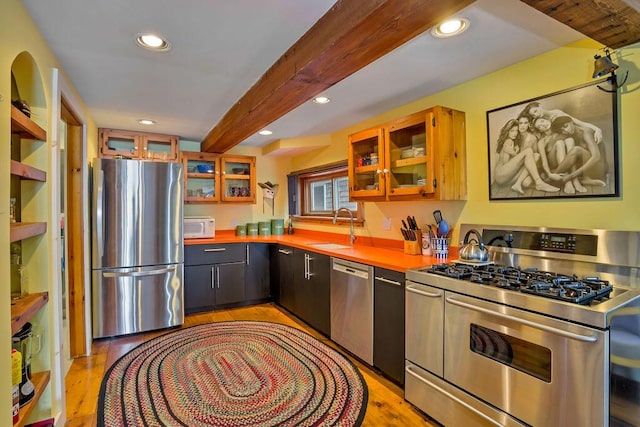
column 138, row 273
column 99, row 212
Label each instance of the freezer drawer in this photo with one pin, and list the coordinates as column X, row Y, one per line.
column 131, row 300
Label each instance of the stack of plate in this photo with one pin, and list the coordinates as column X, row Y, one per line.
column 407, row 153
column 421, row 181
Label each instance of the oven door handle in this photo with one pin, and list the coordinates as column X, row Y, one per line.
column 578, row 337
column 452, row 397
column 410, row 288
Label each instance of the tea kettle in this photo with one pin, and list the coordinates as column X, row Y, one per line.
column 473, row 249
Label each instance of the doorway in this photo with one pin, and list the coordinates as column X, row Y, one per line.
column 72, row 226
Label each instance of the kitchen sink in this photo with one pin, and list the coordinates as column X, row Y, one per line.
column 329, row 246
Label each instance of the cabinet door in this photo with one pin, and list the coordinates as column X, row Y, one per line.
column 238, row 179
column 283, row 283
column 229, row 283
column 160, row 147
column 115, row 142
column 410, row 156
column 388, row 329
column 316, row 291
column 367, row 178
column 202, row 177
column 199, row 293
column 257, row 272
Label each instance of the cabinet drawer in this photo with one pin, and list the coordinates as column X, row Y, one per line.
column 214, row 254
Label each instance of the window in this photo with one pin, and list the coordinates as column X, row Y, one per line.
column 323, row 190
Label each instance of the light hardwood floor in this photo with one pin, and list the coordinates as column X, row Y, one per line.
column 386, row 406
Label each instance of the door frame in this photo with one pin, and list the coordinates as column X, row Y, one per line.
column 69, row 109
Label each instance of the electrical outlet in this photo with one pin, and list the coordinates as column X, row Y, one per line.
column 386, row 224
column 234, row 223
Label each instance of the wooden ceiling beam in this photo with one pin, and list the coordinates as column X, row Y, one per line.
column 611, row 22
column 351, row 35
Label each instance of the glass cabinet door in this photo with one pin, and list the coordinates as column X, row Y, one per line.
column 410, row 156
column 160, row 147
column 366, row 164
column 238, row 179
column 120, row 143
column 202, row 177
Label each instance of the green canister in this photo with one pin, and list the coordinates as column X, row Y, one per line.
column 264, row 228
column 241, row 230
column 277, row 226
column 252, row 229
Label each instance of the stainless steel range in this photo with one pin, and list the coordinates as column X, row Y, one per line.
column 546, row 333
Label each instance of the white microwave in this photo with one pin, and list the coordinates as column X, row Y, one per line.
column 199, row 227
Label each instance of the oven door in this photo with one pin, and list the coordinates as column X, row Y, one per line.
column 540, row 370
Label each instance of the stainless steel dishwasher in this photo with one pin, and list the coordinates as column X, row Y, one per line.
column 352, row 307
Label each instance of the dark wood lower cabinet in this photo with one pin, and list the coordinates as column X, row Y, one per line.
column 388, row 321
column 208, row 286
column 257, row 277
column 282, row 283
column 216, row 275
column 313, row 290
column 300, row 283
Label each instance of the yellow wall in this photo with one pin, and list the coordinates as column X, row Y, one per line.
column 557, row 70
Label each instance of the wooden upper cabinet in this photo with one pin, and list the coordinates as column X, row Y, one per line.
column 201, row 177
column 420, row 156
column 211, row 178
column 138, row 145
column 238, row 182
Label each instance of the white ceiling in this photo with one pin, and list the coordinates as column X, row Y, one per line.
column 220, row 48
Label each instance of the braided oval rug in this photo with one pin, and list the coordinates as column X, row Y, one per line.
column 240, row 373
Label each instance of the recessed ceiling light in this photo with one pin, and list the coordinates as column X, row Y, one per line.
column 321, row 100
column 265, row 132
column 152, row 42
column 146, row 122
column 450, row 28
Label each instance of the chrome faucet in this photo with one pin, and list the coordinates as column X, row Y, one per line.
column 352, row 237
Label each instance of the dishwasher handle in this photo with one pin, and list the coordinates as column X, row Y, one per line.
column 364, row 274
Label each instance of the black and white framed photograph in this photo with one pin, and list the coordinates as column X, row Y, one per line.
column 561, row 145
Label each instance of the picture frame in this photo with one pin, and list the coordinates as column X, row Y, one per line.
column 556, row 146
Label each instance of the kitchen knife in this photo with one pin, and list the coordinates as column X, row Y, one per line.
column 404, row 233
column 404, row 224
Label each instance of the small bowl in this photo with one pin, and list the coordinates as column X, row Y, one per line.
column 239, row 171
column 205, row 168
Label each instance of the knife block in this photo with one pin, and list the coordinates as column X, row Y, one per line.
column 414, row 247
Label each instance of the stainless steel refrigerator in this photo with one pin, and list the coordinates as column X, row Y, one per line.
column 137, row 248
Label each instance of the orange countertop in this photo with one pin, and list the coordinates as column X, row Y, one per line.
column 377, row 252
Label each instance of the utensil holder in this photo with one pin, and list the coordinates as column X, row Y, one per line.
column 414, row 247
column 440, row 247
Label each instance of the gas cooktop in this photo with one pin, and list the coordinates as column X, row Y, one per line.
column 530, row 280
column 581, row 276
